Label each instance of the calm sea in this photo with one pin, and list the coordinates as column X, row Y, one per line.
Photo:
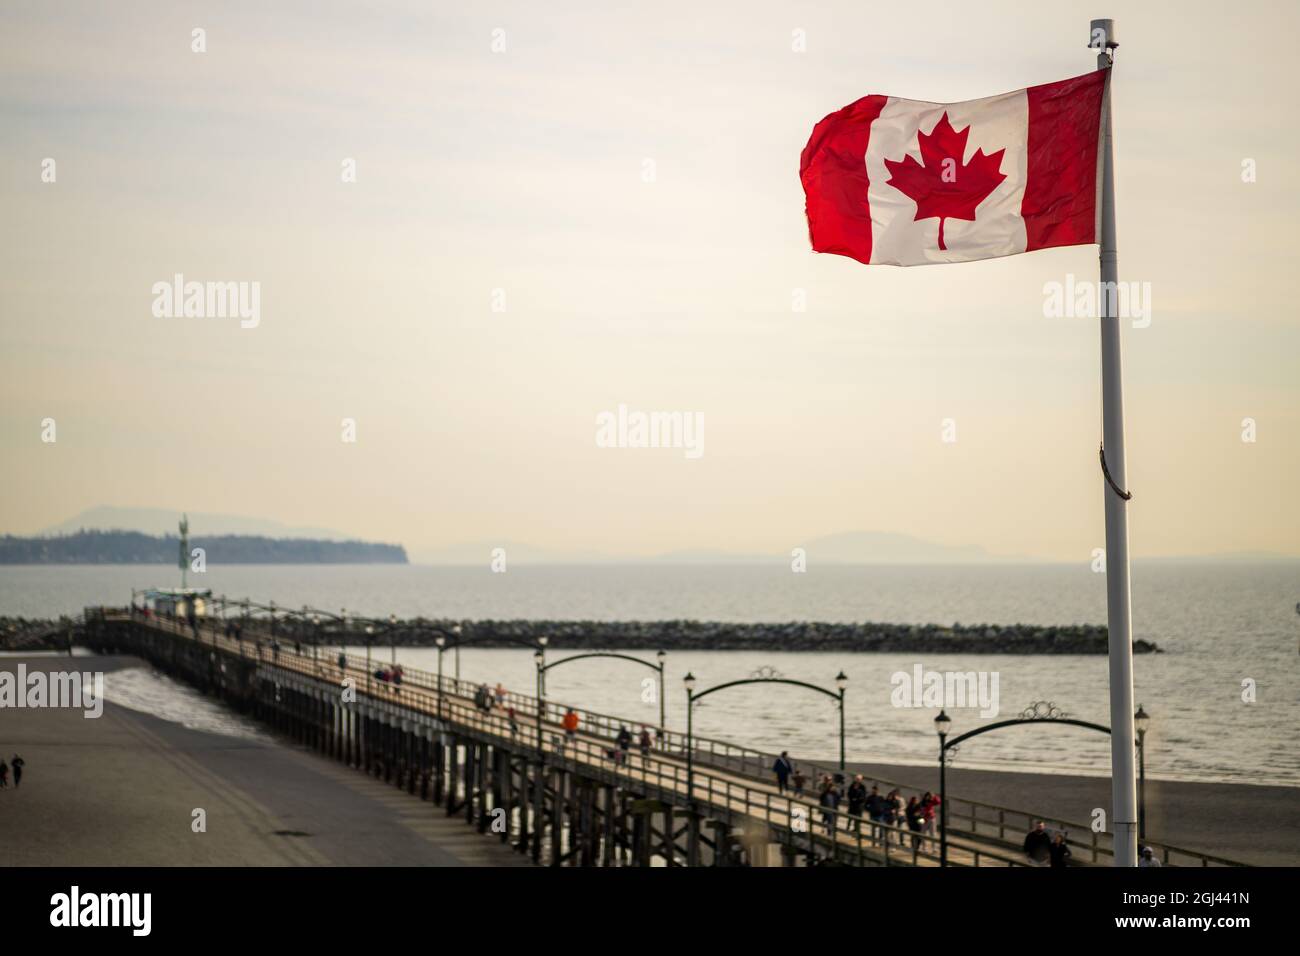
column 1223, row 627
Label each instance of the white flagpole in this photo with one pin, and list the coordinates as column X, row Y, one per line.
column 1114, row 487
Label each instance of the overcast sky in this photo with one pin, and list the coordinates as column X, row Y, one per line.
column 525, row 170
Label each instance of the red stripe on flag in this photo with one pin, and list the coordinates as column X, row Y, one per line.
column 833, row 170
column 1060, row 204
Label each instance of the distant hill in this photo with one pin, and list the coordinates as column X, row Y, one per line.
column 160, row 521
column 133, row 547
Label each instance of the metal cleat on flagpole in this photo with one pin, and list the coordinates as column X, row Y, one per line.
column 1115, row 472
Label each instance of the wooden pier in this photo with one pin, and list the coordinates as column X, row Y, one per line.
column 576, row 802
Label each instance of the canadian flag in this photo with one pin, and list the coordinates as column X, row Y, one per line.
column 906, row 183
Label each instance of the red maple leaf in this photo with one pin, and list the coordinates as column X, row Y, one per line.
column 944, row 187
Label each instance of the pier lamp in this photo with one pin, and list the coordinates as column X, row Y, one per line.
column 392, row 627
column 841, row 682
column 315, row 641
column 455, row 629
column 272, row 606
column 689, row 681
column 1140, row 721
column 661, row 657
column 442, row 646
column 942, row 724
column 370, row 633
column 539, row 658
column 455, row 643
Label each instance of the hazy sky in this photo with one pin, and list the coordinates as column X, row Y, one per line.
column 525, row 170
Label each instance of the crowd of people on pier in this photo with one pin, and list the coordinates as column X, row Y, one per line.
column 890, row 816
column 16, row 763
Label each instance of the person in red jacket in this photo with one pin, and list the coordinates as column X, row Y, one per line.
column 929, row 810
column 570, row 723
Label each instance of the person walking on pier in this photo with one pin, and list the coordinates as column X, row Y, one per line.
column 875, row 810
column 895, row 814
column 643, row 742
column 929, row 807
column 17, row 763
column 4, row 774
column 1148, row 858
column 623, row 744
column 782, row 768
column 1038, row 844
column 915, row 820
column 1059, row 851
column 857, row 801
column 500, row 693
column 570, row 724
column 514, row 724
column 797, row 780
column 343, row 662
column 830, row 802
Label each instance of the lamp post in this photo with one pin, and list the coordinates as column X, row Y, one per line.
column 841, row 682
column 370, row 633
column 657, row 667
column 1039, row 712
column 837, row 695
column 539, row 658
column 663, row 728
column 315, row 643
column 1140, row 721
column 392, row 630
column 689, row 681
column 942, row 724
column 442, row 645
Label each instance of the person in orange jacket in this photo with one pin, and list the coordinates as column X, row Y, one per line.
column 570, row 723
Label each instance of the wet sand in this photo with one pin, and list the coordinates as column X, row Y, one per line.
column 120, row 790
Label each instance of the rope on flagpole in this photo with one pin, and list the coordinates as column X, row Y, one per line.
column 1101, row 453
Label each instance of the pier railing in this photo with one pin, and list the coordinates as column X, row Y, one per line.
column 1001, row 829
column 785, row 819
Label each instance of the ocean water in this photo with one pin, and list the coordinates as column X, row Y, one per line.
column 1224, row 629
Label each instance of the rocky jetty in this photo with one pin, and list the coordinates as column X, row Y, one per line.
column 35, row 633
column 30, row 634
column 793, row 636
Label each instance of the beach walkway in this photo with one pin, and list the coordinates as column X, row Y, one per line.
column 121, row 790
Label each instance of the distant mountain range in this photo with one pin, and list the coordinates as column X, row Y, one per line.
column 162, row 521
column 134, row 547
column 851, row 547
